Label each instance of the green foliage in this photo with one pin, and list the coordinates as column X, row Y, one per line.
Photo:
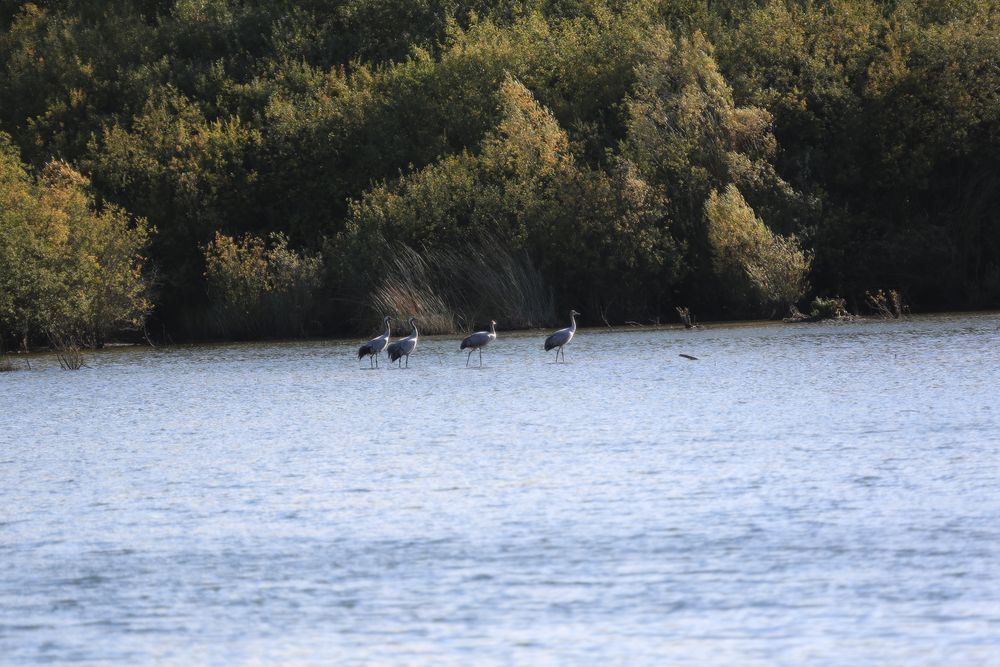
column 831, row 308
column 686, row 131
column 806, row 62
column 689, row 138
column 69, row 271
column 597, row 237
column 754, row 262
column 888, row 113
column 865, row 128
column 258, row 289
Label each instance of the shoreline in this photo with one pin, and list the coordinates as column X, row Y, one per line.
column 518, row 333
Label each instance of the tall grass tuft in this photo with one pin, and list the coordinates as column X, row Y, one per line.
column 410, row 288
column 455, row 290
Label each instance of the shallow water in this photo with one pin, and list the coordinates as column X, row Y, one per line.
column 808, row 494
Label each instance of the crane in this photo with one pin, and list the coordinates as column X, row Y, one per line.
column 478, row 341
column 404, row 346
column 562, row 337
column 375, row 346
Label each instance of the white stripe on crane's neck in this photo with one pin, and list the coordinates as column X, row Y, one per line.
column 572, row 321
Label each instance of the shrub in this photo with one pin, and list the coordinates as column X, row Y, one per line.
column 833, row 308
column 69, row 269
column 755, row 264
column 524, row 201
column 260, row 289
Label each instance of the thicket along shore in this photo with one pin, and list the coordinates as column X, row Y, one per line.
column 257, row 170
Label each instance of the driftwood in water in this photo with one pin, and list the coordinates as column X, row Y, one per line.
column 688, row 356
column 833, row 308
column 887, row 305
column 796, row 316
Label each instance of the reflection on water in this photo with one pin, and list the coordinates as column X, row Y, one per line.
column 814, row 494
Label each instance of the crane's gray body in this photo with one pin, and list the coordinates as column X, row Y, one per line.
column 479, row 340
column 562, row 337
column 404, row 347
column 375, row 346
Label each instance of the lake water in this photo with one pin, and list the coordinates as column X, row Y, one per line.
column 823, row 494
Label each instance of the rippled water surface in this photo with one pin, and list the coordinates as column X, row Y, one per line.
column 810, row 494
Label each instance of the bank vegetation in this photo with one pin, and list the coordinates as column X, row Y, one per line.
column 244, row 169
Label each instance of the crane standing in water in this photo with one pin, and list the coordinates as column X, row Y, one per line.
column 404, row 346
column 478, row 341
column 374, row 347
column 562, row 337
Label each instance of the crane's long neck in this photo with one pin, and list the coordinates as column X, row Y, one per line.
column 387, row 328
column 572, row 322
column 493, row 328
column 413, row 333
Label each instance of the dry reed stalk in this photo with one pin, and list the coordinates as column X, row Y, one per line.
column 453, row 290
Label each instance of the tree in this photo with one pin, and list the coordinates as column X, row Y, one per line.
column 68, row 271
column 754, row 263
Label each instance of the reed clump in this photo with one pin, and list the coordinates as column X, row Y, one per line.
column 453, row 290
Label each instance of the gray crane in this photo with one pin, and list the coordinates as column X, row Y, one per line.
column 375, row 346
column 562, row 337
column 404, row 346
column 478, row 341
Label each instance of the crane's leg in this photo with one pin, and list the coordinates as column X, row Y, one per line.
column 467, row 359
column 480, row 357
column 407, row 361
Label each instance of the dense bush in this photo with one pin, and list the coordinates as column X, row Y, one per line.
column 585, row 136
column 70, row 272
column 598, row 237
column 260, row 289
column 754, row 264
